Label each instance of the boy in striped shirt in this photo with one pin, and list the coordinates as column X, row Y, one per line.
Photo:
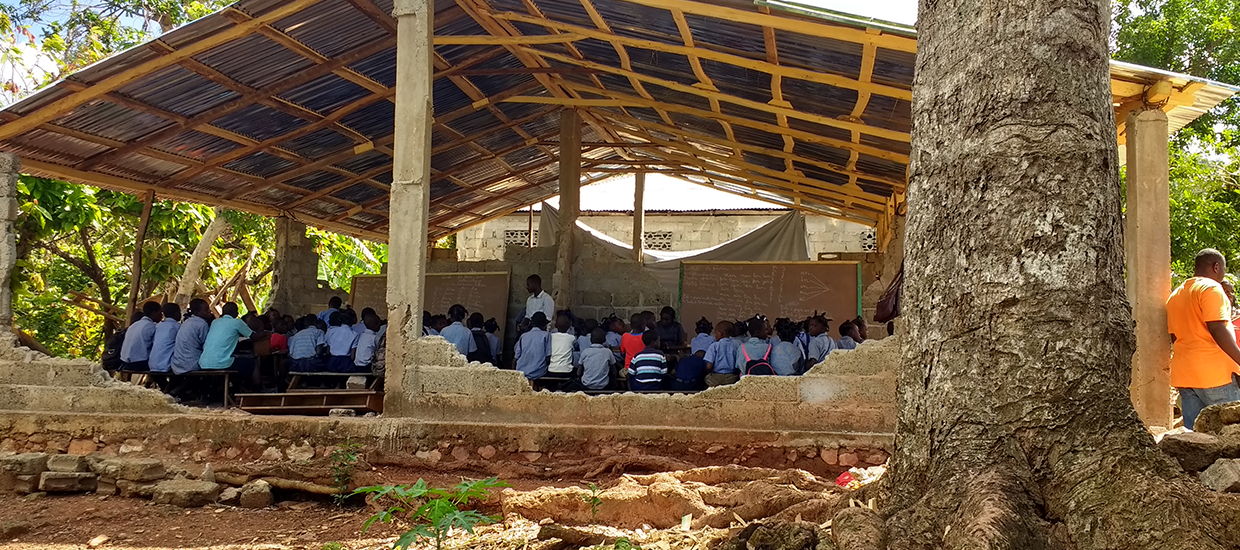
column 649, row 367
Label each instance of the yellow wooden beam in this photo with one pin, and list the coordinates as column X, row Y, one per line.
column 489, row 40
column 58, row 108
column 706, row 53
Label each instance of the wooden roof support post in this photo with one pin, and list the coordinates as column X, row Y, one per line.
column 410, row 191
column 1147, row 251
column 570, row 206
column 639, row 215
column 10, row 169
column 135, row 277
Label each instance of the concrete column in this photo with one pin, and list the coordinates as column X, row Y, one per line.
column 1147, row 246
column 639, row 215
column 295, row 275
column 570, row 206
column 410, row 192
column 10, row 167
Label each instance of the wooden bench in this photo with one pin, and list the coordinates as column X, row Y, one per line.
column 145, row 377
column 294, row 382
column 317, row 403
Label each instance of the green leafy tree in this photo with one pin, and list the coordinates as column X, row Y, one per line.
column 341, row 257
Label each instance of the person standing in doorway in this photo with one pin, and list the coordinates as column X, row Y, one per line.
column 1204, row 351
column 539, row 300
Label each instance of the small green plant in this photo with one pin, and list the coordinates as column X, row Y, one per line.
column 344, row 464
column 335, row 546
column 593, row 500
column 624, row 544
column 432, row 513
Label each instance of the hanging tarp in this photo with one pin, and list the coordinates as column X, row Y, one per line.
column 780, row 240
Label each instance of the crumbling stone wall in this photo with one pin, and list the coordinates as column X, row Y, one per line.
column 31, row 381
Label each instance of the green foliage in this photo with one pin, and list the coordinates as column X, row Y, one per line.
column 335, row 546
column 344, row 464
column 625, row 544
column 341, row 257
column 1196, row 37
column 1205, row 210
column 593, row 500
column 432, row 513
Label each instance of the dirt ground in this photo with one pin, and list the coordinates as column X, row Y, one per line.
column 53, row 522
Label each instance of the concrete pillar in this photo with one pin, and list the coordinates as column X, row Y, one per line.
column 1147, row 246
column 570, row 206
column 295, row 274
column 639, row 215
column 10, row 167
column 410, row 192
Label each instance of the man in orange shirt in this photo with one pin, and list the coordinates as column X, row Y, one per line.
column 1205, row 354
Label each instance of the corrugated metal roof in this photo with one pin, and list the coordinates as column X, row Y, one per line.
column 284, row 107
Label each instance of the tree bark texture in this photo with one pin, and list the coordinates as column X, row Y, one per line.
column 193, row 267
column 135, row 277
column 1015, row 428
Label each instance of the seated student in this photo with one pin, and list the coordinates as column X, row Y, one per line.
column 596, row 362
column 649, row 366
column 482, row 345
column 704, row 338
column 492, row 326
column 360, row 325
column 631, row 344
column 671, row 333
column 364, row 352
column 786, row 355
column 690, row 373
column 221, row 342
column 740, row 332
column 456, row 333
column 848, row 336
column 615, row 337
column 333, row 305
column 863, row 331
column 191, row 337
column 820, row 343
column 720, row 357
column 427, row 321
column 340, row 341
column 754, row 356
column 110, row 359
column 585, row 339
column 279, row 332
column 562, row 342
column 534, row 348
column 305, row 346
column 165, row 341
column 136, row 351
column 438, row 323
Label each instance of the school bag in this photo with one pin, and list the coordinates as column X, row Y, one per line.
column 378, row 363
column 758, row 367
column 111, row 357
column 483, row 353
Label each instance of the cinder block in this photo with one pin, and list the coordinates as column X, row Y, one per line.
column 67, row 463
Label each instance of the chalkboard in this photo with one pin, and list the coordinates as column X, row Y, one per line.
column 486, row 293
column 738, row 290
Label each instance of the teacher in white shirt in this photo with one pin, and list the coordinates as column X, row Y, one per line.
column 539, row 300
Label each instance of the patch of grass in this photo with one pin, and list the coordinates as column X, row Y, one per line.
column 344, row 464
column 593, row 500
column 432, row 513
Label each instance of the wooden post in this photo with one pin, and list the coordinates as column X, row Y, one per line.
column 570, row 206
column 639, row 215
column 135, row 277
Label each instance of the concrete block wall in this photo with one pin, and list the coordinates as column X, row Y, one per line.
column 825, row 235
column 31, row 381
column 851, row 393
column 296, row 288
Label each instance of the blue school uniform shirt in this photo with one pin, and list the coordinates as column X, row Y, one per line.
column 164, row 345
column 757, row 349
column 340, row 340
column 701, row 342
column 532, row 351
column 366, row 344
column 786, row 358
column 326, row 314
column 190, row 339
column 583, row 343
column 461, row 337
column 614, row 339
column 596, row 362
column 723, row 355
column 217, row 351
column 304, row 344
column 820, row 347
column 689, row 372
column 495, row 346
column 137, row 345
column 846, row 343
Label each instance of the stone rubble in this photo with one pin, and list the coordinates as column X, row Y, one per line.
column 67, row 482
column 256, row 494
column 185, row 493
column 1223, row 476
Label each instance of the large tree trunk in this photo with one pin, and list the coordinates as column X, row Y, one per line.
column 193, row 267
column 1015, row 428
